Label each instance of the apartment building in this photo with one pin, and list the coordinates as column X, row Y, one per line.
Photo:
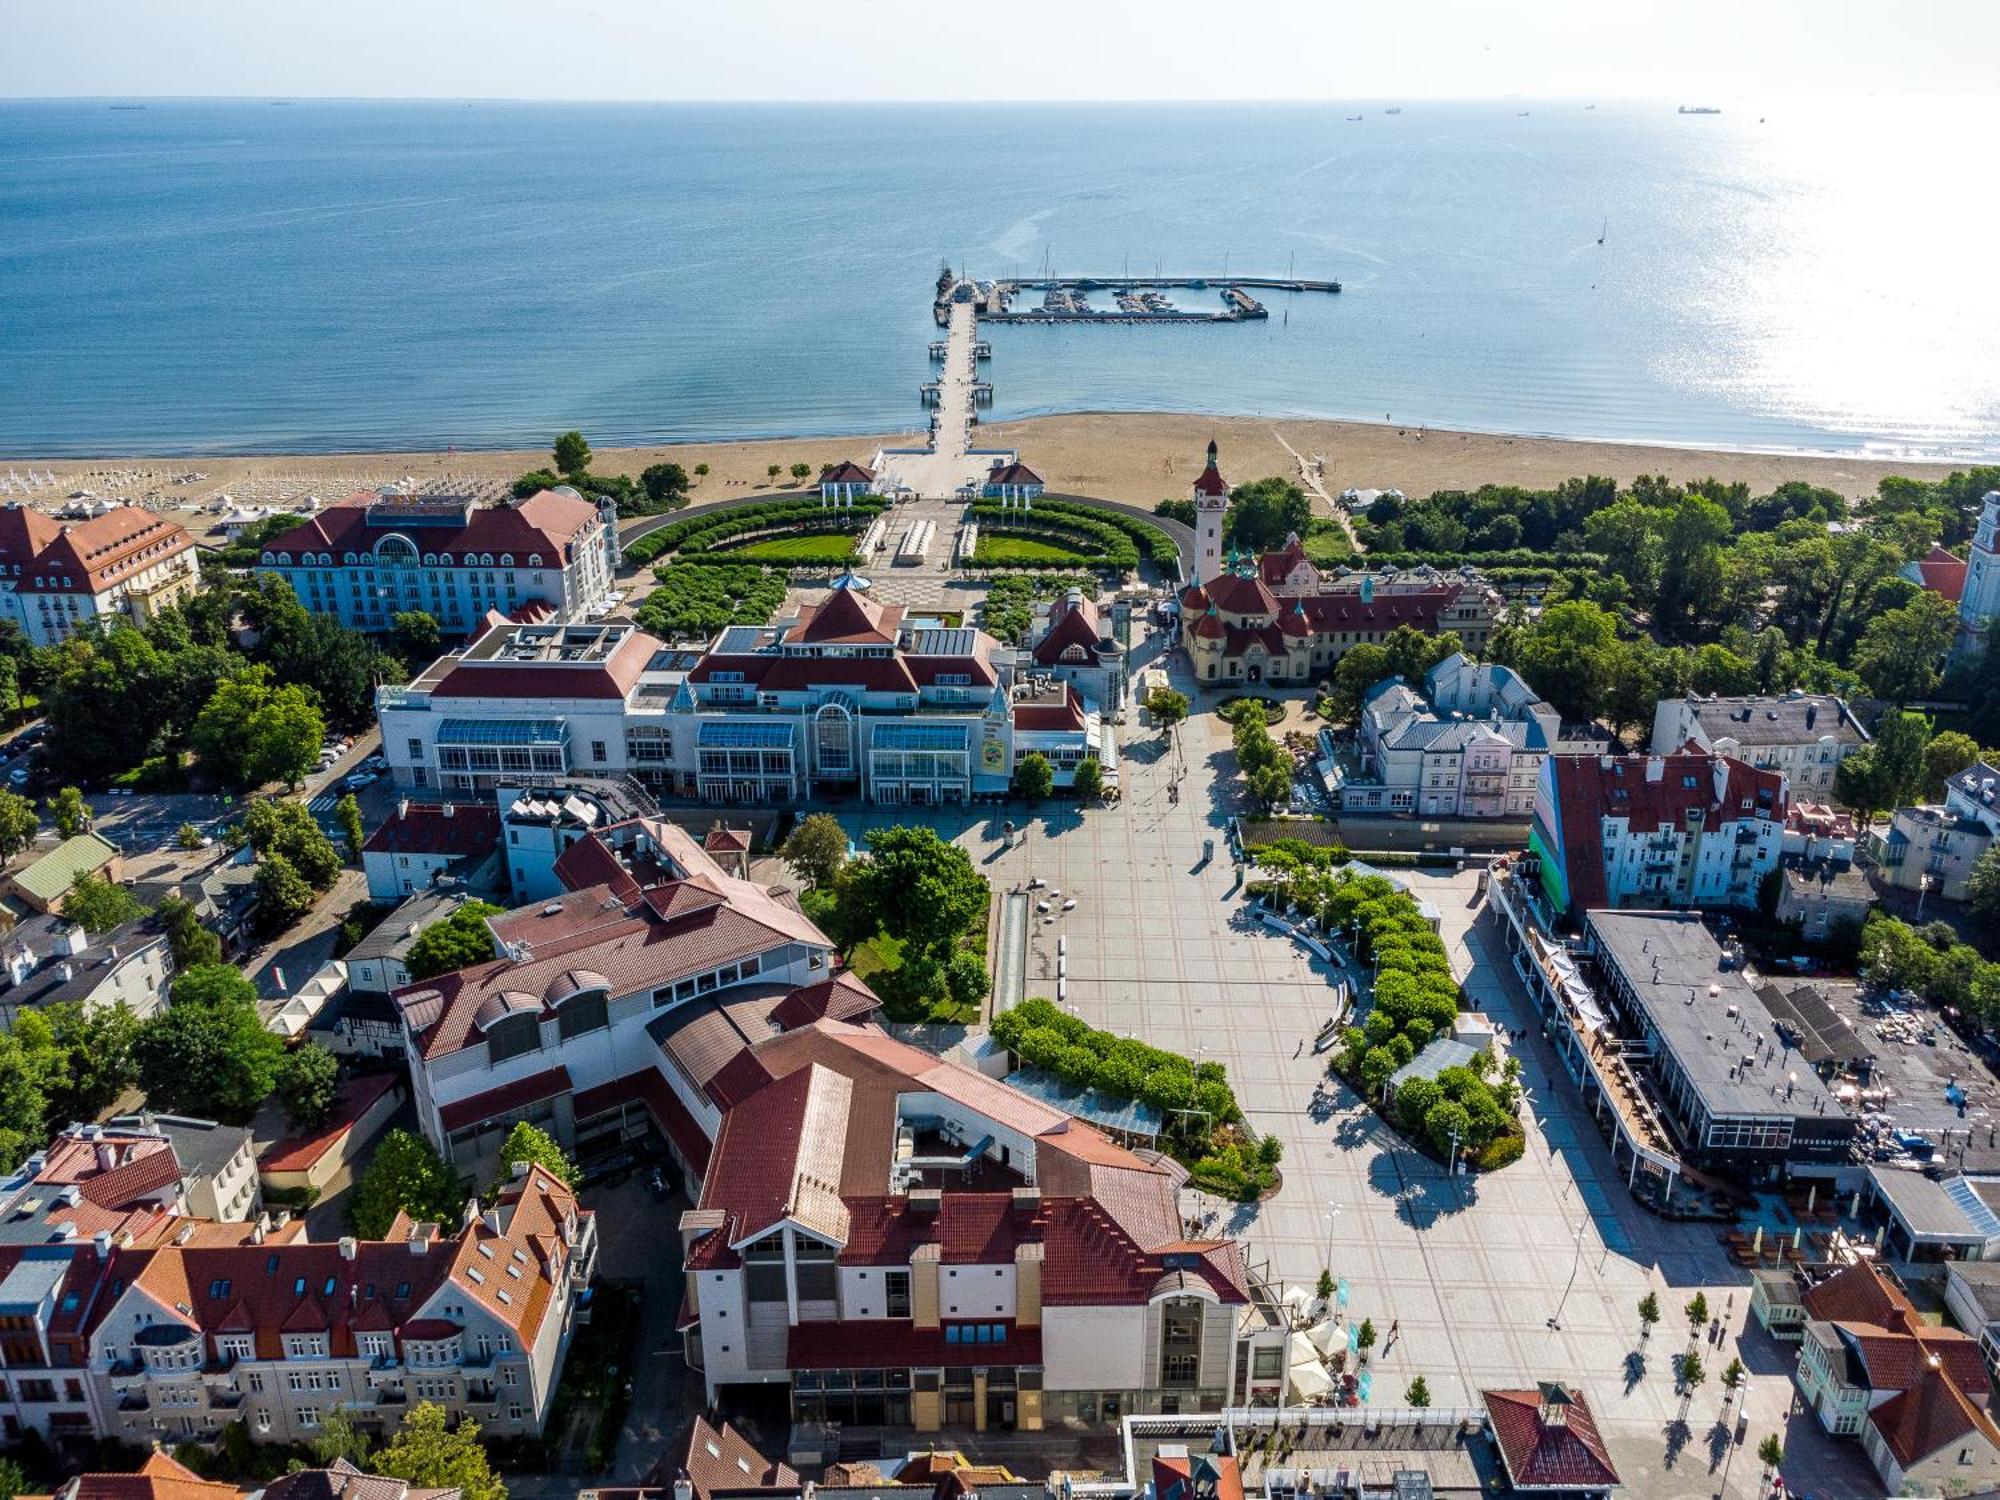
column 126, row 564
column 1687, row 829
column 845, row 697
column 1803, row 735
column 46, row 960
column 188, row 1337
column 1933, row 847
column 375, row 554
column 1470, row 745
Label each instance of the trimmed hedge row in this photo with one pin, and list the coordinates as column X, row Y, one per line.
column 1044, row 1036
column 1101, row 545
column 1154, row 544
column 703, row 530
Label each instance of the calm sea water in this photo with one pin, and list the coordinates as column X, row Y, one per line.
column 207, row 276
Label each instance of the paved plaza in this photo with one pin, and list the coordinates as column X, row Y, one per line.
column 1474, row 1272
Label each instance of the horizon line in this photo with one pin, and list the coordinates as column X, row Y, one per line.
column 893, row 101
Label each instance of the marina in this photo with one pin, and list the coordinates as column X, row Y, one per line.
column 1126, row 299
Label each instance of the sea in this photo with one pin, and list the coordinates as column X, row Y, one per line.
column 299, row 276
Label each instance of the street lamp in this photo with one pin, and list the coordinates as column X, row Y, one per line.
column 1332, row 1215
column 1576, row 1264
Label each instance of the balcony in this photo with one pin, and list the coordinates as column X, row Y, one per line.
column 134, row 1401
column 225, row 1400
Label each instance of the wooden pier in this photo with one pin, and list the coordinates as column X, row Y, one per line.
column 941, row 350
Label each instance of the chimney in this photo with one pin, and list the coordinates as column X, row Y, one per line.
column 402, row 808
column 683, row 1489
column 67, row 971
column 448, row 809
column 260, row 1229
column 107, row 1156
column 348, row 1247
column 1027, row 1202
column 102, row 1240
column 72, row 940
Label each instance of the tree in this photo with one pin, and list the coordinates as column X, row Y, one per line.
column 285, row 828
column 348, row 811
column 800, row 472
column 19, row 823
column 526, row 1143
column 338, row 1438
column 1270, row 785
column 1167, row 706
column 12, row 1481
column 535, row 481
column 23, row 1103
column 1034, row 778
column 1900, row 651
column 1264, row 512
column 1733, row 1375
column 1571, row 654
column 188, row 836
column 191, row 942
column 1649, row 1314
column 405, row 1175
column 252, row 731
column 772, row 471
column 307, row 1081
column 1899, row 746
column 1692, row 1371
column 92, row 1055
column 701, row 471
column 417, row 634
column 1697, row 1313
column 572, row 455
column 283, row 894
column 212, row 1059
column 817, row 849
column 429, row 1453
column 1364, row 1336
column 1088, row 779
column 211, row 984
column 919, row 888
column 1418, row 1393
column 1982, row 890
column 666, row 485
column 460, row 940
column 1448, row 1126
column 70, row 812
column 98, row 906
column 1771, row 1452
column 1324, row 1288
column 1946, row 755
column 965, row 979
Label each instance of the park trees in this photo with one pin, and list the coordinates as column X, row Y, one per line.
column 69, row 812
column 1945, row 756
column 572, row 454
column 283, row 894
column 919, row 888
column 1034, row 777
column 405, row 1175
column 252, row 731
column 208, row 1053
column 190, row 942
column 348, row 812
column 417, row 635
column 1900, row 652
column 18, row 823
column 1263, row 512
column 1088, row 779
column 287, row 830
column 98, row 906
column 1167, row 706
column 666, row 486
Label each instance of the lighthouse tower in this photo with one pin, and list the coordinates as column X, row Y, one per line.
column 1211, row 500
column 1980, row 601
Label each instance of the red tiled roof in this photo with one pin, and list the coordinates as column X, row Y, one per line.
column 790, row 674
column 1070, row 626
column 1205, row 1476
column 1236, row 594
column 728, row 840
column 544, row 1085
column 841, row 998
column 1588, row 792
column 1931, row 1413
column 96, row 553
column 1566, row 1455
column 160, row 1477
column 24, row 532
column 722, row 1460
column 1051, row 717
column 452, row 830
column 847, row 471
column 1209, row 626
column 1943, row 573
column 846, row 618
column 1858, row 1294
column 887, row 1343
column 141, row 1167
column 1275, row 567
column 1209, row 481
column 356, row 1095
column 1014, row 473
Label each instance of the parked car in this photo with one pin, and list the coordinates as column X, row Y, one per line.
column 359, row 779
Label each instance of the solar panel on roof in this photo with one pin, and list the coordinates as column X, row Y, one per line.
column 502, row 732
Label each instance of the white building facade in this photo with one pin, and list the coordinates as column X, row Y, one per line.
column 1470, row 745
column 1804, row 735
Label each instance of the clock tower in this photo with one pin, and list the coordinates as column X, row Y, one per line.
column 1211, row 501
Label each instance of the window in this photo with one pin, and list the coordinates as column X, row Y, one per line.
column 597, row 751
column 1267, row 1364
column 512, row 1037
column 582, row 1013
column 308, row 1416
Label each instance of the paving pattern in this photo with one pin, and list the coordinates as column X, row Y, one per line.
column 1473, row 1271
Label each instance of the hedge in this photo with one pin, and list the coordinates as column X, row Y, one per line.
column 1140, row 538
column 1102, row 545
column 702, row 530
column 1044, row 1036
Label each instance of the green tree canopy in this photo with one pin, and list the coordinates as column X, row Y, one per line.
column 1264, row 512
column 283, row 894
column 1034, row 777
column 418, row 636
column 280, row 827
column 69, row 812
column 307, row 1081
column 404, row 1175
column 428, row 1452
column 98, row 906
column 666, row 485
column 19, row 822
column 348, row 811
column 191, row 942
column 459, row 941
column 252, row 731
column 1946, row 755
column 527, row 1143
column 919, row 887
column 1088, row 781
column 1167, row 706
column 817, row 848
column 1901, row 652
column 91, row 1051
column 213, row 1059
column 572, row 454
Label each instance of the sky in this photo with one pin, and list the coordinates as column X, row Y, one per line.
column 890, row 50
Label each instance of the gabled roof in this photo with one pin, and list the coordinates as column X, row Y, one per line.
column 1200, row 1476
column 545, row 523
column 1942, row 572
column 341, row 1480
column 54, row 873
column 1930, row 1414
column 449, row 830
column 1015, row 473
column 1565, row 1454
column 720, row 1460
column 847, row 471
column 160, row 1477
column 1071, row 624
column 847, row 617
column 92, row 555
column 1275, row 567
column 841, row 998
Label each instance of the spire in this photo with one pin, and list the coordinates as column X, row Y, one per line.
column 1211, row 453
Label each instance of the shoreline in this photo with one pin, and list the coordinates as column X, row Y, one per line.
column 1138, row 457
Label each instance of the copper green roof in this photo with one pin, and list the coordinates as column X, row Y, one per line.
column 55, row 872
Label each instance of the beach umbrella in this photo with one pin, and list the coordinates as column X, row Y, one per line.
column 1308, row 1382
column 1301, row 1350
column 1323, row 1336
column 1757, row 1244
column 1812, row 1197
column 1797, row 1235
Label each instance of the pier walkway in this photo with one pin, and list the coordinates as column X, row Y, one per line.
column 940, row 471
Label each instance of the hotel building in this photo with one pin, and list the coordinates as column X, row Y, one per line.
column 124, row 564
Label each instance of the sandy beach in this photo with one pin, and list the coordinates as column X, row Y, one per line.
column 1137, row 457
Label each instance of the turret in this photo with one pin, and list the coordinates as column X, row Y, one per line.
column 1211, row 503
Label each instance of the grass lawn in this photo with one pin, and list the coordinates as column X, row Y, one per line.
column 1022, row 549
column 877, row 954
column 834, row 547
